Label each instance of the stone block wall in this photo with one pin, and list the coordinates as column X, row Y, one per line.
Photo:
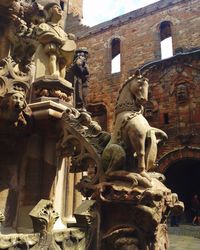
column 174, row 101
column 138, row 32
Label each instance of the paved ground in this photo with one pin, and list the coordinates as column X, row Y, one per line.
column 184, row 237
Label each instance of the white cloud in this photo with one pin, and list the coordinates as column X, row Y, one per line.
column 97, row 11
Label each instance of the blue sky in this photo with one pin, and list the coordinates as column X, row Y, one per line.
column 97, row 11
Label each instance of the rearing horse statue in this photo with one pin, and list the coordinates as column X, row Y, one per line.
column 133, row 143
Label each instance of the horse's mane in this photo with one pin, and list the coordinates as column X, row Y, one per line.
column 130, row 78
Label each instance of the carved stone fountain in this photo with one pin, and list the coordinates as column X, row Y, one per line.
column 129, row 203
column 41, row 123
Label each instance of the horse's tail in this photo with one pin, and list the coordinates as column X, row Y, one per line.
column 153, row 137
column 161, row 136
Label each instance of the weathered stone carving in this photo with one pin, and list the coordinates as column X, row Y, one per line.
column 44, row 217
column 117, row 166
column 56, row 48
column 79, row 75
column 13, row 106
column 53, row 56
column 18, row 241
column 139, row 208
column 131, row 132
column 10, row 69
column 14, row 85
column 83, row 140
column 18, row 32
column 14, row 109
column 121, row 182
column 52, row 88
column 181, row 93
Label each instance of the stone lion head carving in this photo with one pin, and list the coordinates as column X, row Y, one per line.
column 13, row 101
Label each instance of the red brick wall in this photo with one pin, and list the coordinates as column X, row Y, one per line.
column 139, row 35
column 183, row 108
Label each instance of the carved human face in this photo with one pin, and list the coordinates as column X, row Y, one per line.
column 181, row 93
column 81, row 59
column 17, row 102
column 56, row 12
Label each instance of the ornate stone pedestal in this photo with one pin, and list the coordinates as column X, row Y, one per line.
column 130, row 212
column 52, row 88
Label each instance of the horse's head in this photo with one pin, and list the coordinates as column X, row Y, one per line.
column 139, row 88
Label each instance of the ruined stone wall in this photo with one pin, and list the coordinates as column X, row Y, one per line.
column 138, row 32
column 174, row 104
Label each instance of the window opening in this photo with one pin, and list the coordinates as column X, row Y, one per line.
column 166, row 40
column 166, row 118
column 116, row 57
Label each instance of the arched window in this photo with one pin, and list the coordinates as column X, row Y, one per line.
column 166, row 40
column 115, row 56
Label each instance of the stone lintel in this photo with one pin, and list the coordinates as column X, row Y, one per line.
column 50, row 81
column 47, row 109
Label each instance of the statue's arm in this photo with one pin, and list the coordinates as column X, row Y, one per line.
column 45, row 35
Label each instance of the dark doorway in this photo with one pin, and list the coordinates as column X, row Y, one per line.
column 183, row 178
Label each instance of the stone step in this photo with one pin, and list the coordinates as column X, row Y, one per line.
column 185, row 230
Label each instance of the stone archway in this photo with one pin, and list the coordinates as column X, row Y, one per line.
column 182, row 171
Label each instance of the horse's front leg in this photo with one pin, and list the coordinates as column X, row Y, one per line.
column 138, row 144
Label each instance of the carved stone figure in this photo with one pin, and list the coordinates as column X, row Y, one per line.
column 56, row 48
column 132, row 132
column 136, row 197
column 14, row 109
column 181, row 93
column 79, row 75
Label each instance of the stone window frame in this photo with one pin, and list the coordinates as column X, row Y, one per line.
column 109, row 56
column 115, row 51
column 158, row 37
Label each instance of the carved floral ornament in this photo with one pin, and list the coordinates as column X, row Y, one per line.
column 83, row 140
column 43, row 216
column 44, row 213
column 9, row 68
